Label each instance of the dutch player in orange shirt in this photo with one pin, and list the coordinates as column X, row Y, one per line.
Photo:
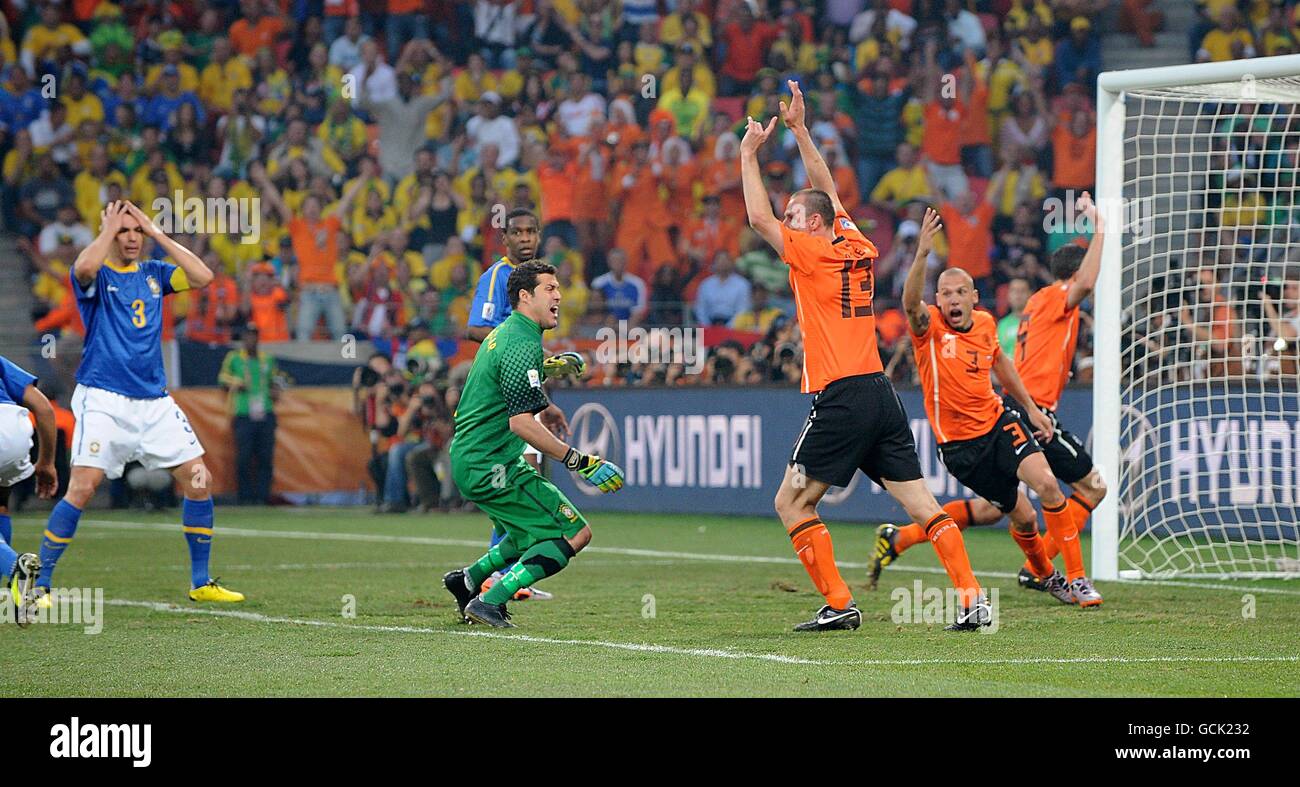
column 985, row 441
column 857, row 421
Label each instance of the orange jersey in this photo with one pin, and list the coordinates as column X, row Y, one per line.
column 833, row 286
column 955, row 375
column 1049, row 332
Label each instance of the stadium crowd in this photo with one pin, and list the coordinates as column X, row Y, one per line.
column 369, row 150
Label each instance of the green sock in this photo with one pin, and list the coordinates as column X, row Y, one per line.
column 543, row 559
column 500, row 555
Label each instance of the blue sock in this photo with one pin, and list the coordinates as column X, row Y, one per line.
column 6, row 529
column 58, row 534
column 7, row 558
column 196, row 516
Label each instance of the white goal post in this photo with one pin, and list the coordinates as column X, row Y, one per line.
column 1196, row 413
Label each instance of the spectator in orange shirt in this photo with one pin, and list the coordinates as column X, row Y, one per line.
column 1074, row 153
column 747, row 41
column 590, row 204
column 266, row 302
column 976, row 141
column 944, row 121
column 681, row 175
column 557, row 177
column 846, row 180
column 215, row 307
column 256, row 30
column 314, row 236
column 643, row 218
column 703, row 237
column 969, row 227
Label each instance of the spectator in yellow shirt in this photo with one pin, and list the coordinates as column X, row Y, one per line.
column 223, row 76
column 688, row 104
column 171, row 42
column 81, row 103
column 1036, row 45
column 688, row 59
column 673, row 28
column 43, row 46
column 1228, row 41
column 904, row 183
column 473, row 81
column 454, row 256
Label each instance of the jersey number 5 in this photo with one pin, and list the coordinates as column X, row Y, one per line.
column 137, row 313
column 865, row 284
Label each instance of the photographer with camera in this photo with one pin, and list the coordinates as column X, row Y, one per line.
column 424, row 460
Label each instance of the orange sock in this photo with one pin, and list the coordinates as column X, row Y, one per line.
column 1080, row 510
column 1060, row 524
column 946, row 539
column 812, row 543
column 911, row 535
column 1032, row 546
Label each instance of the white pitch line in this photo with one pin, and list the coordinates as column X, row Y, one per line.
column 717, row 653
column 379, row 538
column 469, row 632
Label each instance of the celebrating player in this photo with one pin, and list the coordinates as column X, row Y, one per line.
column 20, row 400
column 857, row 420
column 491, row 307
column 123, row 411
column 540, row 529
column 983, row 440
column 1049, row 331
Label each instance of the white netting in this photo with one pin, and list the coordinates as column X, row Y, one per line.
column 1210, row 413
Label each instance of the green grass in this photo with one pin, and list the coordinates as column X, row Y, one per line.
column 1147, row 640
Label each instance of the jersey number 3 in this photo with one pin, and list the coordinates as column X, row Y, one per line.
column 865, row 284
column 137, row 313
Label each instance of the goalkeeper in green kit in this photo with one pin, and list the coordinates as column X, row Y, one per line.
column 542, row 529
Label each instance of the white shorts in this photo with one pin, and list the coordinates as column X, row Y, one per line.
column 529, row 450
column 113, row 429
column 15, row 444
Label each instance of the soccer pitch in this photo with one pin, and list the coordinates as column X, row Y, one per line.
column 659, row 605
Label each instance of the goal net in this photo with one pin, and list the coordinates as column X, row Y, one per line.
column 1196, row 403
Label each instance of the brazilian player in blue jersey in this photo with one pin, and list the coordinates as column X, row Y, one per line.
column 123, row 410
column 20, row 400
column 491, row 307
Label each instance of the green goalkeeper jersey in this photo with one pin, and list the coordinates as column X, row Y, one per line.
column 505, row 380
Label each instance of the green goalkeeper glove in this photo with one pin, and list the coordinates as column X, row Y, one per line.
column 605, row 476
column 565, row 364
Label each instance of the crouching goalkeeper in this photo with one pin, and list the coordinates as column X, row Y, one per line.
column 542, row 530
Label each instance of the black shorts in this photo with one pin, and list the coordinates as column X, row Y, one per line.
column 987, row 465
column 857, row 423
column 1068, row 458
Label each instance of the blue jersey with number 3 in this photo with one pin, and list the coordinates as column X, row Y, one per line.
column 491, row 301
column 122, row 310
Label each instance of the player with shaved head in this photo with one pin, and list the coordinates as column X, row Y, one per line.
column 988, row 444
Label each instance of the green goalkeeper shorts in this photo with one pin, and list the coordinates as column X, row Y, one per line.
column 527, row 507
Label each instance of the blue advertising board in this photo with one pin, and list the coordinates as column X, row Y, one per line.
column 724, row 450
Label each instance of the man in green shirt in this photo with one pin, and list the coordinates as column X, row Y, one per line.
column 542, row 530
column 1009, row 326
column 248, row 374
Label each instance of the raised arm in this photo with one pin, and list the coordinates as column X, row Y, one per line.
column 819, row 175
column 918, row 316
column 47, row 480
column 197, row 273
column 1010, row 379
column 257, row 174
column 91, row 259
column 758, row 207
column 1085, row 280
